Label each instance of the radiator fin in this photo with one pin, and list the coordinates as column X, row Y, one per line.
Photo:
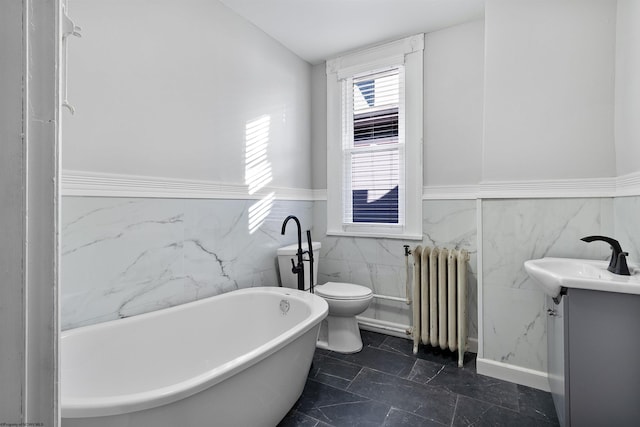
column 439, row 299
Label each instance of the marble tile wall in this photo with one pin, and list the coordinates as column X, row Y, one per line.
column 514, row 318
column 627, row 219
column 125, row 256
column 380, row 263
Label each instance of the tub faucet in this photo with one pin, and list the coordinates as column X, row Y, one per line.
column 310, row 252
column 296, row 269
column 618, row 263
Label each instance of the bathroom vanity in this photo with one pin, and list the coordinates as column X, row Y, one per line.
column 594, row 358
column 593, row 340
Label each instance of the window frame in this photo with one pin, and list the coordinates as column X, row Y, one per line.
column 407, row 52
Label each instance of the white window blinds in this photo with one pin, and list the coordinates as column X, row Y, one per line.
column 373, row 147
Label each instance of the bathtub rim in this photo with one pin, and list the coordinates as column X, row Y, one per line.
column 132, row 402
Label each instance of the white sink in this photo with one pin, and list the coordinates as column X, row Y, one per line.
column 552, row 274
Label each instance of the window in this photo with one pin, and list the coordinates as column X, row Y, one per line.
column 374, row 147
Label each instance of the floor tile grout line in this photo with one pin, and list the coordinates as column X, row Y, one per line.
column 455, row 410
column 437, row 373
column 493, row 404
column 387, row 416
column 387, row 403
column 524, row 401
column 446, row 388
column 442, row 367
column 490, row 405
column 354, row 378
column 483, row 401
column 367, row 398
column 362, row 367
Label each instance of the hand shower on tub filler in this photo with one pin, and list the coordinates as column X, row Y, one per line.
column 298, row 268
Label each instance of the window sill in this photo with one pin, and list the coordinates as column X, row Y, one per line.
column 404, row 236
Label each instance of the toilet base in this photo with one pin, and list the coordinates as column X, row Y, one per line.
column 340, row 334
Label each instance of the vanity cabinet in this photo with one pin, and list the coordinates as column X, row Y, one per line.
column 594, row 358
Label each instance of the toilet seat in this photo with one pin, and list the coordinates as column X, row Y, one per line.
column 343, row 291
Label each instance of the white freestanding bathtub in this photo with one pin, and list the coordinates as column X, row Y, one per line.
column 237, row 359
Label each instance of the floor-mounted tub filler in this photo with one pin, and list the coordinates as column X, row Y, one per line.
column 237, row 359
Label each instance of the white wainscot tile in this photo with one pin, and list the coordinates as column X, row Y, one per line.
column 329, row 244
column 359, row 273
column 627, row 212
column 216, row 227
column 263, row 278
column 515, row 327
column 223, row 253
column 114, row 251
column 518, row 230
column 389, row 281
column 450, row 224
column 381, row 279
column 353, row 249
column 472, row 303
column 334, row 270
column 216, row 236
column 391, row 252
column 209, row 272
column 389, row 311
column 156, row 295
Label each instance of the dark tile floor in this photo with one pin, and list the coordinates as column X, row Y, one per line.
column 386, row 385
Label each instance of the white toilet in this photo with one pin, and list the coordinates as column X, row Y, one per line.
column 339, row 331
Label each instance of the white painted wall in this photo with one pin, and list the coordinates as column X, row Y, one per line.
column 453, row 102
column 12, row 336
column 627, row 122
column 28, row 213
column 549, row 89
column 319, row 126
column 454, row 79
column 165, row 88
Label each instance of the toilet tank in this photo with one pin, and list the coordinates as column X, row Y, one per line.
column 286, row 254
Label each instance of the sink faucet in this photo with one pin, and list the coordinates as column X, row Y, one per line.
column 299, row 268
column 618, row 263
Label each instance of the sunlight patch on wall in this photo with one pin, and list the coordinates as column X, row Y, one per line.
column 259, row 211
column 258, row 172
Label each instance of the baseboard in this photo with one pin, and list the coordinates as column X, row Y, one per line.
column 399, row 330
column 514, row 374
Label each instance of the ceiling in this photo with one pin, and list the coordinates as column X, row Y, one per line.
column 317, row 30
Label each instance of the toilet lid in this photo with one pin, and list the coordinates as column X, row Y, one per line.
column 336, row 290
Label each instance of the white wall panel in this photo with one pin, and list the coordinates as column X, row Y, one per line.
column 627, row 125
column 167, row 89
column 549, row 89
